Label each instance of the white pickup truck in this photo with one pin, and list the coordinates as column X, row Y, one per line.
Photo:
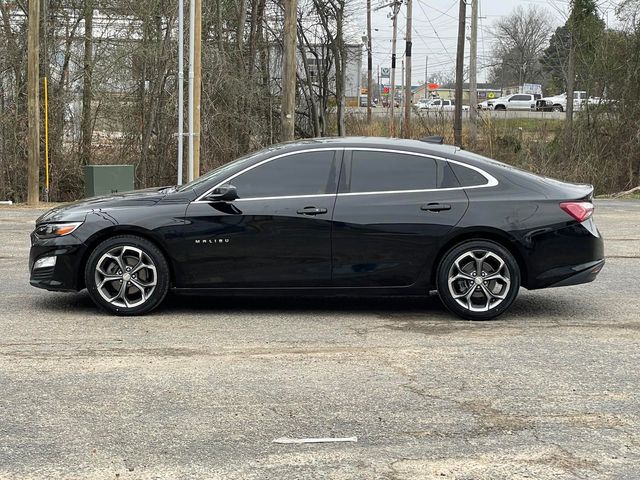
column 516, row 101
column 558, row 103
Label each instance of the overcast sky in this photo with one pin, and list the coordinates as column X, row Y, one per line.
column 435, row 28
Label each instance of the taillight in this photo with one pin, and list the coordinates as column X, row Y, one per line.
column 581, row 211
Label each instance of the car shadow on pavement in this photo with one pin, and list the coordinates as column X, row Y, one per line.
column 526, row 306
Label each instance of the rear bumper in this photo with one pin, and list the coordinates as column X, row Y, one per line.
column 580, row 274
column 566, row 256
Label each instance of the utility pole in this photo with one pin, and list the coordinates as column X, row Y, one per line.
column 33, row 103
column 392, row 120
column 379, row 93
column 192, row 54
column 369, row 63
column 402, row 97
column 457, row 114
column 180, row 89
column 197, row 87
column 407, row 81
column 473, row 73
column 287, row 118
column 87, row 84
column 426, row 77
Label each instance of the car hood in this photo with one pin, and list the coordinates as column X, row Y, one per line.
column 78, row 210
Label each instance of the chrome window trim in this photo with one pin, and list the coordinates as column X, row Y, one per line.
column 251, row 167
column 319, row 195
column 491, row 180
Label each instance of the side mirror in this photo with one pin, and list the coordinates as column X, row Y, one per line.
column 224, row 193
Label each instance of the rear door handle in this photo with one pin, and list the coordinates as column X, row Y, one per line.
column 435, row 207
column 311, row 211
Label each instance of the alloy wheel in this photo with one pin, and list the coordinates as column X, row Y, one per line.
column 479, row 280
column 125, row 276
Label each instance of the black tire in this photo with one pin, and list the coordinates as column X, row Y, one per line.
column 504, row 281
column 152, row 264
column 557, row 108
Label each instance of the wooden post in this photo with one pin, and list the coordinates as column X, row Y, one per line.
column 33, row 103
column 287, row 118
column 457, row 114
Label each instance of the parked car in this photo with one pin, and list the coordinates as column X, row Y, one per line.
column 441, row 105
column 517, row 101
column 558, row 103
column 364, row 102
column 421, row 104
column 358, row 216
column 484, row 105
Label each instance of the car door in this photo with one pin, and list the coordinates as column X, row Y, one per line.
column 520, row 102
column 390, row 216
column 276, row 234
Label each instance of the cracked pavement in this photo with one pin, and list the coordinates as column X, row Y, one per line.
column 201, row 387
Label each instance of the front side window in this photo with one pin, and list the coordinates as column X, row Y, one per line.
column 304, row 173
column 373, row 171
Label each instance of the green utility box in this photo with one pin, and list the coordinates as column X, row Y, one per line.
column 107, row 179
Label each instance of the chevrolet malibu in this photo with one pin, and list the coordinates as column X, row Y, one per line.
column 343, row 216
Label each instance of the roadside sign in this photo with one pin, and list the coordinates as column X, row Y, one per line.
column 385, row 72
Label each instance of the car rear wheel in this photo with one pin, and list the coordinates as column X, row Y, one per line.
column 478, row 280
column 127, row 275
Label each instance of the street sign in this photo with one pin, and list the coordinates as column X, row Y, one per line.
column 385, row 72
column 385, row 90
column 433, row 86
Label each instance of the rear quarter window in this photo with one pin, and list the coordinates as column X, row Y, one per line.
column 467, row 176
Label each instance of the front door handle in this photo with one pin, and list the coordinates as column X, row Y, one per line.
column 435, row 207
column 311, row 211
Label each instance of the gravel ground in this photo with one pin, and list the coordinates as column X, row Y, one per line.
column 201, row 388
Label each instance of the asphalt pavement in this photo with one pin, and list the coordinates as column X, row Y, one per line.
column 202, row 387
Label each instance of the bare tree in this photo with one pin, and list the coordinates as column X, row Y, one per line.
column 521, row 39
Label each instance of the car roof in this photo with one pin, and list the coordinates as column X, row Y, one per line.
column 378, row 142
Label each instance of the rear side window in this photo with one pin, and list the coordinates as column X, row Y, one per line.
column 306, row 173
column 467, row 176
column 385, row 171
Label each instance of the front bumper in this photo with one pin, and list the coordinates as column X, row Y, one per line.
column 65, row 275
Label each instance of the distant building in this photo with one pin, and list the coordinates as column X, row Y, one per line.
column 486, row 91
column 316, row 57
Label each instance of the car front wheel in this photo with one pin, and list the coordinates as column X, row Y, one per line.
column 127, row 275
column 478, row 280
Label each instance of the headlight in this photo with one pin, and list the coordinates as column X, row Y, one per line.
column 53, row 230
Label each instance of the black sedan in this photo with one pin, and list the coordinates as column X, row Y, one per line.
column 355, row 216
